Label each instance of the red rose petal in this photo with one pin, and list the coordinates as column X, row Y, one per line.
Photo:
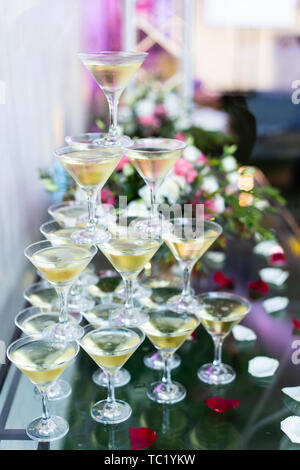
column 223, row 280
column 220, row 405
column 194, row 335
column 296, row 323
column 141, row 438
column 278, row 259
column 260, row 286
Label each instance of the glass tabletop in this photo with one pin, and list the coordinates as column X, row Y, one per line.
column 191, row 424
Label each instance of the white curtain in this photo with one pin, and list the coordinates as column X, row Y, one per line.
column 40, row 102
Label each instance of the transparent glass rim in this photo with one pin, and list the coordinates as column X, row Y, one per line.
column 171, row 144
column 26, row 313
column 47, row 244
column 48, row 224
column 34, row 287
column 89, row 329
column 171, row 335
column 110, row 55
column 39, row 337
column 101, row 153
column 226, row 295
column 55, row 207
column 90, row 140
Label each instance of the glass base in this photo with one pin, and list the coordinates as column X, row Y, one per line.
column 129, row 318
column 65, row 332
column 81, row 303
column 104, row 412
column 159, row 393
column 181, row 304
column 47, row 430
column 113, row 140
column 90, row 236
column 58, row 390
column 121, row 378
column 155, row 361
column 211, row 375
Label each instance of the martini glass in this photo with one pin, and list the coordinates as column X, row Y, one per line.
column 112, row 71
column 42, row 361
column 32, row 321
column 59, row 236
column 153, row 158
column 219, row 313
column 167, row 330
column 128, row 252
column 187, row 246
column 110, row 348
column 75, row 214
column 61, row 266
column 101, row 317
column 90, row 167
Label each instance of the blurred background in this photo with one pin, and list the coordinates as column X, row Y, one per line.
column 207, row 51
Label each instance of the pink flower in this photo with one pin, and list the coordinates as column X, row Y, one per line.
column 202, row 159
column 160, row 110
column 122, row 162
column 278, row 259
column 108, row 197
column 149, row 121
column 180, row 136
column 185, row 169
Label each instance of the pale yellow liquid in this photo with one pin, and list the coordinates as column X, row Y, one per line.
column 150, row 165
column 111, row 347
column 61, row 265
column 43, row 298
column 113, row 77
column 129, row 255
column 90, row 172
column 70, row 216
column 168, row 330
column 37, row 323
column 43, row 361
column 190, row 250
column 220, row 315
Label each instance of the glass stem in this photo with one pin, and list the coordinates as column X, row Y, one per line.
column 154, row 211
column 45, row 413
column 91, row 196
column 63, row 293
column 186, row 291
column 113, row 101
column 128, row 294
column 218, row 343
column 110, row 389
column 166, row 378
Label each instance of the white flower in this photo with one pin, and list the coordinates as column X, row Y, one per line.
column 219, row 204
column 127, row 169
column 137, row 208
column 144, row 193
column 173, row 105
column 210, row 184
column 180, row 180
column 233, row 178
column 229, row 163
column 191, row 153
column 145, row 107
column 170, row 189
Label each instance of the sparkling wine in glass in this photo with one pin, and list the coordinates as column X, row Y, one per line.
column 90, row 167
column 61, row 266
column 187, row 247
column 112, row 71
column 43, row 361
column 219, row 313
column 110, row 348
column 153, row 158
column 167, row 330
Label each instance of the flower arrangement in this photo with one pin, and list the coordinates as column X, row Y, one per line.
column 208, row 172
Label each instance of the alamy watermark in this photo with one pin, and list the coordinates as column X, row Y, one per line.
column 295, row 96
column 2, row 92
column 296, row 354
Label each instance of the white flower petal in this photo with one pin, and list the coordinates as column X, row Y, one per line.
column 145, row 107
column 191, row 153
column 291, row 427
column 210, row 184
column 243, row 333
column 137, row 209
column 293, row 392
column 229, row 163
column 274, row 276
column 275, row 304
column 267, row 248
column 262, row 366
